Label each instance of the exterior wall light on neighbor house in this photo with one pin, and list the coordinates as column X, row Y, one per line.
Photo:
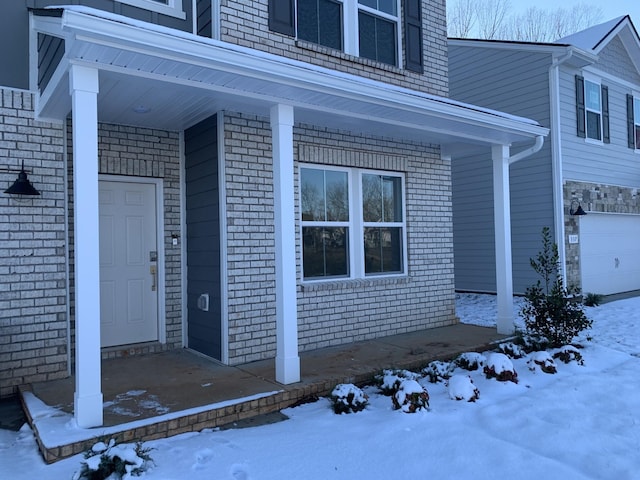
column 22, row 185
column 576, row 211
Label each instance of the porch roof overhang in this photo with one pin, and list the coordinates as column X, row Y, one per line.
column 156, row 77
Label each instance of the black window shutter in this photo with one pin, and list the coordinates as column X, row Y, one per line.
column 580, row 110
column 281, row 16
column 631, row 127
column 606, row 135
column 413, row 35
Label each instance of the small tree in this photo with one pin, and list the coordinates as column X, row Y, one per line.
column 551, row 310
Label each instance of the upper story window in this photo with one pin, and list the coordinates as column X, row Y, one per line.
column 592, row 106
column 352, row 223
column 172, row 8
column 366, row 28
column 633, row 121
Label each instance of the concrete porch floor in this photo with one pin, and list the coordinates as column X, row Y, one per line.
column 163, row 394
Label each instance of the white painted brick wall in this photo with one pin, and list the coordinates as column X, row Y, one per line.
column 33, row 326
column 344, row 311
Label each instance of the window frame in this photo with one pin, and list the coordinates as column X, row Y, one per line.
column 594, row 81
column 355, row 225
column 351, row 28
column 172, row 8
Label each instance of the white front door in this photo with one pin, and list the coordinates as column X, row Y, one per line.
column 128, row 263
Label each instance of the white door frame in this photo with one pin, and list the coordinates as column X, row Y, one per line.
column 162, row 330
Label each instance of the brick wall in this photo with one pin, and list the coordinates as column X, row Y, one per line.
column 142, row 152
column 246, row 24
column 596, row 198
column 33, row 299
column 338, row 312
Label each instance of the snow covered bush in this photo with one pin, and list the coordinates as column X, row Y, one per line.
column 114, row 462
column 568, row 354
column 389, row 381
column 512, row 350
column 410, row 397
column 500, row 367
column 470, row 361
column 552, row 310
column 461, row 387
column 347, row 398
column 437, row 371
column 542, row 361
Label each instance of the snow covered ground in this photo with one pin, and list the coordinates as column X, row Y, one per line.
column 581, row 423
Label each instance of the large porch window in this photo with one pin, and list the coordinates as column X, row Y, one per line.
column 352, row 223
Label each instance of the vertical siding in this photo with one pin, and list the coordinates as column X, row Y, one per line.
column 515, row 82
column 203, row 237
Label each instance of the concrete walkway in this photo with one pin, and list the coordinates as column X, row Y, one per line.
column 179, row 391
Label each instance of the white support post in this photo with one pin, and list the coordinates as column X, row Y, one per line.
column 287, row 358
column 83, row 86
column 502, row 226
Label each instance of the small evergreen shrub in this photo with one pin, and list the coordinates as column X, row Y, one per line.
column 551, row 310
column 411, row 397
column 568, row 354
column 592, row 299
column 542, row 361
column 461, row 387
column 470, row 361
column 347, row 398
column 438, row 371
column 500, row 367
column 512, row 350
column 389, row 381
column 114, row 462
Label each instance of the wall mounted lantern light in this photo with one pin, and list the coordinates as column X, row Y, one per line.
column 22, row 185
column 576, row 211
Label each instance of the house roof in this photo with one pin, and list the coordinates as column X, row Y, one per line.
column 181, row 78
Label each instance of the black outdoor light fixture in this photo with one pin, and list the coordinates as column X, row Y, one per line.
column 577, row 211
column 22, row 185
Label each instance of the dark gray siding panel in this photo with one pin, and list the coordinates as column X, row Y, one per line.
column 50, row 52
column 203, row 237
column 128, row 11
column 14, row 44
column 515, row 82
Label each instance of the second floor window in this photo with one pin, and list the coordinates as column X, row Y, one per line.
column 365, row 28
column 592, row 105
column 633, row 121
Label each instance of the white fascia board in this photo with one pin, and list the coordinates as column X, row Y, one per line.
column 84, row 24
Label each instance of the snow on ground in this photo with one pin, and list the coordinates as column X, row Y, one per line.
column 581, row 423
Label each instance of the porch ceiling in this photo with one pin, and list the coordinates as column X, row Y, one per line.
column 159, row 78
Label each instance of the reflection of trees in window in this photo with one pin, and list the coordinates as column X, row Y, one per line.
column 381, row 201
column 324, row 195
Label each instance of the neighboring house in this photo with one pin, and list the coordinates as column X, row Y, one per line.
column 229, row 177
column 586, row 88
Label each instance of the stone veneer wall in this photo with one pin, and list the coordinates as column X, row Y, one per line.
column 246, row 24
column 343, row 311
column 33, row 278
column 596, row 198
column 142, row 152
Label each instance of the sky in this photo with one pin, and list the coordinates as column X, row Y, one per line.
column 581, row 423
column 610, row 8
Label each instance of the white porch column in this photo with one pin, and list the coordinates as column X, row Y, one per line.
column 502, row 226
column 287, row 359
column 83, row 86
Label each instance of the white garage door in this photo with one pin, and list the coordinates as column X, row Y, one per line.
column 610, row 253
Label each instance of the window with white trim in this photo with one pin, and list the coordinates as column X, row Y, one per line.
column 365, row 28
column 593, row 108
column 172, row 8
column 352, row 223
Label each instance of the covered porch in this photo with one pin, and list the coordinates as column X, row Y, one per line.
column 159, row 395
column 123, row 72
